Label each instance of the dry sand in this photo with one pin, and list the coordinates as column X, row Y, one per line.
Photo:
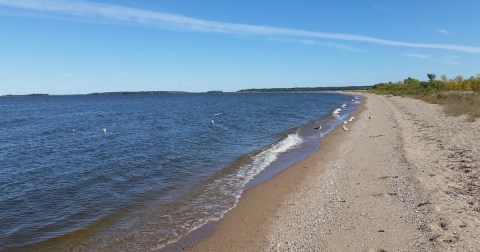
column 405, row 180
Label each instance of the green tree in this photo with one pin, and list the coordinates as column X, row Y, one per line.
column 431, row 77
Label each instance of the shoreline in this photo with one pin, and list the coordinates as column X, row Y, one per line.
column 259, row 201
column 407, row 179
column 204, row 232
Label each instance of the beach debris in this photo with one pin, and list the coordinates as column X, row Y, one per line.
column 370, row 117
column 423, row 204
column 345, row 128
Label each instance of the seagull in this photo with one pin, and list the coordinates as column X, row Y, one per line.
column 344, row 105
column 318, row 127
column 370, row 117
column 74, row 130
column 217, row 114
column 351, row 119
column 345, row 128
column 213, row 121
column 345, row 122
column 104, row 130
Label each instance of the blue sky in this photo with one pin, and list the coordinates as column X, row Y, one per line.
column 75, row 47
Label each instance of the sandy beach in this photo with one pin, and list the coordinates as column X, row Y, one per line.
column 406, row 179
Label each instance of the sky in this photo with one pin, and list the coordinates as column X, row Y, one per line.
column 78, row 47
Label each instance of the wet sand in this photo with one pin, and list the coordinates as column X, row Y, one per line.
column 407, row 179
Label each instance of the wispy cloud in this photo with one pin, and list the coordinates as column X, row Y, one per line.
column 452, row 59
column 118, row 13
column 418, row 56
column 443, row 31
column 311, row 42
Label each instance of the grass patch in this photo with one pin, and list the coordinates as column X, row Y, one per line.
column 454, row 103
column 459, row 96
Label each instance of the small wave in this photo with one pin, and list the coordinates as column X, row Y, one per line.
column 234, row 183
column 266, row 157
column 226, row 191
column 344, row 106
column 336, row 112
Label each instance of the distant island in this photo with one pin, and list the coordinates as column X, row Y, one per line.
column 302, row 89
column 139, row 92
column 10, row 95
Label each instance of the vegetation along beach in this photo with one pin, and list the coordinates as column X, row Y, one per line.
column 136, row 125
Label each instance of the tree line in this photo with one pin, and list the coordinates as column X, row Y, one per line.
column 302, row 89
column 412, row 86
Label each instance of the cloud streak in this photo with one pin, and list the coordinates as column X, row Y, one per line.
column 452, row 60
column 418, row 56
column 118, row 13
column 443, row 31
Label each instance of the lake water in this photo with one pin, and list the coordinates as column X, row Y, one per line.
column 136, row 172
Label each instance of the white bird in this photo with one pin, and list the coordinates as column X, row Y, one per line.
column 345, row 122
column 104, row 130
column 213, row 121
column 217, row 114
column 345, row 128
column 73, row 130
column 344, row 105
column 351, row 119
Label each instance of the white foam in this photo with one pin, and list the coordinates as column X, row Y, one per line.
column 231, row 187
column 234, row 183
column 336, row 112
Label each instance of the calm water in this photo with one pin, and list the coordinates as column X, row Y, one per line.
column 135, row 172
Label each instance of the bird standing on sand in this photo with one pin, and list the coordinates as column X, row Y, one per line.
column 345, row 128
column 351, row 119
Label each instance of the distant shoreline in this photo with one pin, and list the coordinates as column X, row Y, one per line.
column 24, row 95
column 303, row 89
column 250, row 90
